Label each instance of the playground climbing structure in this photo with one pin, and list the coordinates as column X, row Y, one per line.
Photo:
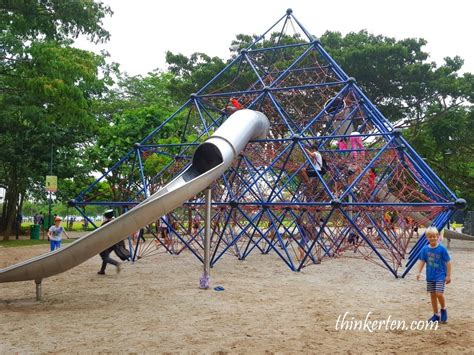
column 372, row 201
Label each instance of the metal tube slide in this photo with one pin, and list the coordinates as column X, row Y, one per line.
column 384, row 195
column 210, row 161
column 449, row 234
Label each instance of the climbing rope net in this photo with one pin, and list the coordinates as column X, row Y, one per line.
column 372, row 200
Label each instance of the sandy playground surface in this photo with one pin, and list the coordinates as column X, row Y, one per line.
column 155, row 306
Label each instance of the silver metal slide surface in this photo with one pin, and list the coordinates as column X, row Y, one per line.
column 385, row 195
column 210, row 160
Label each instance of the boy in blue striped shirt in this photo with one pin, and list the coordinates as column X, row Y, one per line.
column 438, row 272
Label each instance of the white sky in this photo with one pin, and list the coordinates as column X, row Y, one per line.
column 143, row 30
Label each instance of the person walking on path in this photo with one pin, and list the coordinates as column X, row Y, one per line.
column 105, row 255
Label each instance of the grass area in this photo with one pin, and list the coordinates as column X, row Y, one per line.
column 76, row 227
column 27, row 242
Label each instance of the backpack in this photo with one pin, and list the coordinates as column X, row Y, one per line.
column 324, row 166
column 122, row 252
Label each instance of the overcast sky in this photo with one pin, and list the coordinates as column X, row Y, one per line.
column 143, row 30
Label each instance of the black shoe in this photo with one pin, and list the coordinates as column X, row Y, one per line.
column 101, row 273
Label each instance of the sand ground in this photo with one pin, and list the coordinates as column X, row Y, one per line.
column 155, row 306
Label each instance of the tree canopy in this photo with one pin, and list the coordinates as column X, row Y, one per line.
column 47, row 91
column 68, row 105
column 433, row 103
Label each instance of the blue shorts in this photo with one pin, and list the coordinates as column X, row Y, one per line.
column 435, row 286
column 55, row 244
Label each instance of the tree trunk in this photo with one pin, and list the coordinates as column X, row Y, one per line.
column 11, row 199
column 11, row 203
column 3, row 217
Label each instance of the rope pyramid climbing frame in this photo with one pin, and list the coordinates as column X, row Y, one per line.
column 372, row 202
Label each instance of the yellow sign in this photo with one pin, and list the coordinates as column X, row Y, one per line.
column 51, row 183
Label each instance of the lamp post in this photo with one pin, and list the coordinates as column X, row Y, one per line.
column 50, row 173
column 446, row 153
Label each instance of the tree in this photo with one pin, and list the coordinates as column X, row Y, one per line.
column 395, row 74
column 46, row 91
column 128, row 114
column 433, row 103
column 53, row 20
column 445, row 140
column 191, row 74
